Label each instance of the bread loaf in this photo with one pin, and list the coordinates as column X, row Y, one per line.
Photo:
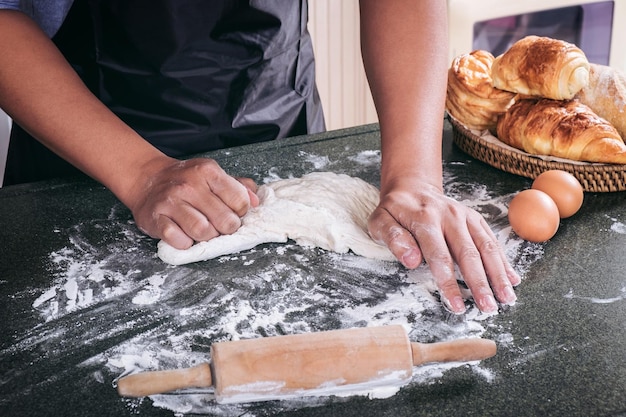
column 471, row 97
column 606, row 95
column 541, row 67
column 566, row 129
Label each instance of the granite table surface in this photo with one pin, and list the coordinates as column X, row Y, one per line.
column 85, row 299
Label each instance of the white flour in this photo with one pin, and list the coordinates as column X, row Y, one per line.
column 618, row 227
column 277, row 289
column 596, row 300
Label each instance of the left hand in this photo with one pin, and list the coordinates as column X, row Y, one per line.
column 419, row 223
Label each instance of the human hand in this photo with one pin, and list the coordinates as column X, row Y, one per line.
column 418, row 222
column 183, row 202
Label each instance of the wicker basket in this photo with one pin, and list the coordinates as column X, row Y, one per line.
column 593, row 177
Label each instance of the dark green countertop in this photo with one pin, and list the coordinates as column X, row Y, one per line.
column 83, row 297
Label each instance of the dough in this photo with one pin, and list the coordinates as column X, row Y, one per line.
column 320, row 209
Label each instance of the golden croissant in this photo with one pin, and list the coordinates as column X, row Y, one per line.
column 562, row 128
column 471, row 98
column 543, row 67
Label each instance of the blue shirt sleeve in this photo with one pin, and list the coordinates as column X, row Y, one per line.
column 49, row 14
column 10, row 4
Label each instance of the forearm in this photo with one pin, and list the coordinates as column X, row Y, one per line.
column 41, row 92
column 404, row 47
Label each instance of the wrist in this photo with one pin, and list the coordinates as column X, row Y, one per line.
column 411, row 171
column 131, row 184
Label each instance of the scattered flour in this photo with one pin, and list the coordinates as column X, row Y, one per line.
column 318, row 162
column 269, row 290
column 618, row 227
column 597, row 300
column 151, row 293
column 367, row 158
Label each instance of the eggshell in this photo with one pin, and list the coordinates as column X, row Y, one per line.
column 533, row 215
column 563, row 188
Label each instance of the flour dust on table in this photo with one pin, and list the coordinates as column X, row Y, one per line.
column 113, row 296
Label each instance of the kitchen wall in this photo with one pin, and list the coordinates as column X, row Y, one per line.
column 334, row 27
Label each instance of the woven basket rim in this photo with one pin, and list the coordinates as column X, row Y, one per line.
column 593, row 177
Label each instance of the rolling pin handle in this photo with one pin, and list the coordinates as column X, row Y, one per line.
column 460, row 350
column 158, row 382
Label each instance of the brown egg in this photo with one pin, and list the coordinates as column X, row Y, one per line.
column 563, row 188
column 533, row 215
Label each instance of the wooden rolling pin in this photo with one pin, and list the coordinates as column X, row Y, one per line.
column 307, row 364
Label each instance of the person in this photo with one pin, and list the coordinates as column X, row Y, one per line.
column 124, row 88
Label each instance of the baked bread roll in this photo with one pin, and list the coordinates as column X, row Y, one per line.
column 606, row 95
column 566, row 129
column 542, row 67
column 471, row 98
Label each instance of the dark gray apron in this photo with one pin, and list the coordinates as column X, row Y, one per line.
column 188, row 75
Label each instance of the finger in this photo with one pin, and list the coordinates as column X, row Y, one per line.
column 254, row 199
column 439, row 260
column 252, row 189
column 248, row 183
column 172, row 234
column 512, row 275
column 385, row 230
column 211, row 207
column 497, row 264
column 162, row 225
column 207, row 217
column 190, row 221
column 473, row 252
column 233, row 194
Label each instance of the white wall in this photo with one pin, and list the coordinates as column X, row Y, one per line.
column 341, row 81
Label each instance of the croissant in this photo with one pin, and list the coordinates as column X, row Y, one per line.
column 606, row 95
column 562, row 128
column 471, row 97
column 543, row 67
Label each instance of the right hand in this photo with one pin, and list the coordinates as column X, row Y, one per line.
column 182, row 202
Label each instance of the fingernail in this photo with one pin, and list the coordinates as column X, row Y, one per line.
column 489, row 304
column 509, row 295
column 516, row 280
column 411, row 258
column 455, row 305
